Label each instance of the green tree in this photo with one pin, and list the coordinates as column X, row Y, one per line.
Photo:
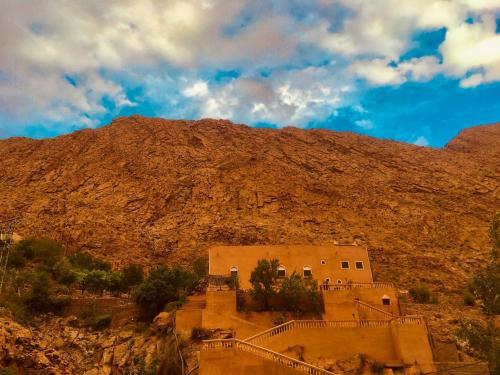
column 85, row 261
column 133, row 275
column 200, row 267
column 486, row 286
column 40, row 298
column 42, row 250
column 96, row 281
column 484, row 341
column 263, row 279
column 115, row 283
column 300, row 295
column 164, row 285
column 63, row 272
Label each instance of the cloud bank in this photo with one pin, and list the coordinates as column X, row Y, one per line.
column 70, row 64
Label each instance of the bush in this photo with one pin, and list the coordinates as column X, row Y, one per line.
column 40, row 299
column 377, row 367
column 300, row 295
column 97, row 322
column 469, row 299
column 133, row 275
column 263, row 279
column 420, row 293
column 200, row 267
column 85, row 261
column 486, row 286
column 42, row 250
column 6, row 371
column 280, row 319
column 163, row 285
column 484, row 341
column 199, row 334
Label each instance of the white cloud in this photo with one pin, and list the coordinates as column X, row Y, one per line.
column 171, row 48
column 364, row 124
column 199, row 88
column 421, row 141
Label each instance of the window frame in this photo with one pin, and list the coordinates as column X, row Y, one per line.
column 307, row 268
column 282, row 268
column 356, row 265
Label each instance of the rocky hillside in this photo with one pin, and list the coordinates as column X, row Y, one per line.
column 153, row 190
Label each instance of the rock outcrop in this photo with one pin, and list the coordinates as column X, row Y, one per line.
column 154, row 190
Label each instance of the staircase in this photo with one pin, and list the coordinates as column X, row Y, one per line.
column 369, row 309
column 235, row 344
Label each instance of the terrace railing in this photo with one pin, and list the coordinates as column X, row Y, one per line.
column 350, row 286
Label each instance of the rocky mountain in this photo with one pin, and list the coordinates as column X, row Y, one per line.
column 152, row 190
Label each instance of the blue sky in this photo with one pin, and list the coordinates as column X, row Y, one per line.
column 416, row 71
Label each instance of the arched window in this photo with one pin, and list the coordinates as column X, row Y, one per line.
column 307, row 271
column 281, row 271
column 339, row 281
column 386, row 300
column 234, row 271
column 327, row 281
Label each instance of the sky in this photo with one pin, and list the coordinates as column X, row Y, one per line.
column 416, row 71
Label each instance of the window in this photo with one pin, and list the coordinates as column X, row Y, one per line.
column 359, row 265
column 344, row 265
column 386, row 300
column 307, row 271
column 323, row 262
column 234, row 271
column 281, row 271
column 339, row 281
column 327, row 281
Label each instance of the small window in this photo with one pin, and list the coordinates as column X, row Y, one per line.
column 234, row 271
column 323, row 262
column 307, row 271
column 359, row 265
column 339, row 281
column 386, row 300
column 344, row 265
column 281, row 271
column 327, row 281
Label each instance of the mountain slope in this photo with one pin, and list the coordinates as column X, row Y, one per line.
column 147, row 190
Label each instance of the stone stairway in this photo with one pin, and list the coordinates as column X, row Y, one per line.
column 283, row 360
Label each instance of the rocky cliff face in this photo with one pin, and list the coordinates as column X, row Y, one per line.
column 152, row 190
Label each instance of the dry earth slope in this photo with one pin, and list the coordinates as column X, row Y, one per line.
column 150, row 190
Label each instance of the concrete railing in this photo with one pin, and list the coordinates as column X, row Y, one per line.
column 309, row 324
column 367, row 307
column 409, row 320
column 264, row 353
column 333, row 287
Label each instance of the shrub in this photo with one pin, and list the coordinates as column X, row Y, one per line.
column 163, row 285
column 42, row 250
column 85, row 261
column 40, row 299
column 133, row 275
column 199, row 334
column 300, row 295
column 280, row 319
column 97, row 322
column 420, row 293
column 469, row 299
column 263, row 279
column 63, row 272
column 200, row 267
column 486, row 286
column 377, row 367
column 6, row 371
column 485, row 341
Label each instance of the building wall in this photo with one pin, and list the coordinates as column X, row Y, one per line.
column 337, row 343
column 231, row 361
column 293, row 258
column 186, row 320
column 412, row 345
column 340, row 304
